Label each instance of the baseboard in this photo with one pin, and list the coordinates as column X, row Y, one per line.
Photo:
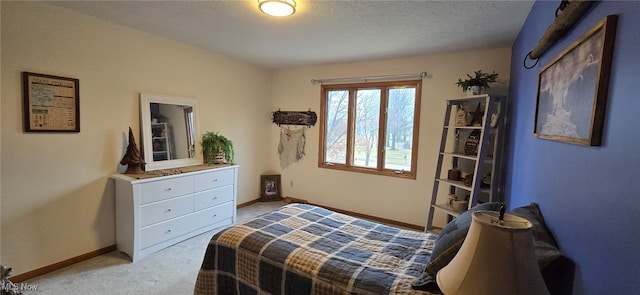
column 49, row 268
column 245, row 204
column 374, row 218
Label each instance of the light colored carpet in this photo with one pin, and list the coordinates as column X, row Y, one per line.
column 169, row 271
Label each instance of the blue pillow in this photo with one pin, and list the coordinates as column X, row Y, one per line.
column 545, row 246
column 448, row 243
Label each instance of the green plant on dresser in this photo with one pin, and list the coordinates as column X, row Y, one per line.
column 216, row 148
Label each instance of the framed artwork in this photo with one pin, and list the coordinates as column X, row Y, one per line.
column 573, row 88
column 50, row 103
column 270, row 188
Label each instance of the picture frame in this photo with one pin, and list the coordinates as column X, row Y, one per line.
column 573, row 88
column 270, row 188
column 50, row 103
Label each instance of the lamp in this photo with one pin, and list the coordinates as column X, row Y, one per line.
column 497, row 257
column 277, row 7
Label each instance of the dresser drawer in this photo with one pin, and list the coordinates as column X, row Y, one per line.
column 165, row 189
column 213, row 179
column 166, row 230
column 165, row 210
column 215, row 214
column 213, row 197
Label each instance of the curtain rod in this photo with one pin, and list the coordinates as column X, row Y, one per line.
column 369, row 78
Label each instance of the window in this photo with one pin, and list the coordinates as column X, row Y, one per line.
column 370, row 127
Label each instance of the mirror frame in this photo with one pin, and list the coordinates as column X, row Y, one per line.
column 145, row 129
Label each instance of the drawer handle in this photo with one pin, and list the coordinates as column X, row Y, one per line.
column 215, row 180
column 167, row 189
column 167, row 231
column 214, row 215
column 168, row 210
column 214, row 198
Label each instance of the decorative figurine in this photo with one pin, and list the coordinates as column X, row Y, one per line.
column 133, row 160
column 461, row 116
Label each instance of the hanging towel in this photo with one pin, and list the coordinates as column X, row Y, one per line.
column 291, row 147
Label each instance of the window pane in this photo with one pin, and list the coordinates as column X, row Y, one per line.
column 365, row 153
column 336, row 131
column 400, row 112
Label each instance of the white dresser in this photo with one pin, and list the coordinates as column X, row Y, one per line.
column 154, row 213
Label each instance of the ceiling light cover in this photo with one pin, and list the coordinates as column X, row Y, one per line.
column 277, row 7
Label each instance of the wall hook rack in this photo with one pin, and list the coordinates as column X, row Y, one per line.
column 307, row 118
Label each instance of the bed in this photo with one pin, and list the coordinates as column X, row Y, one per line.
column 304, row 249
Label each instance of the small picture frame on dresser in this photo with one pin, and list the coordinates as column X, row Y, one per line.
column 270, row 188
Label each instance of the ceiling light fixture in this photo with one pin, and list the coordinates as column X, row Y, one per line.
column 277, row 7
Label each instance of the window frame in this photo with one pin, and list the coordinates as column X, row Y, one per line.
column 382, row 131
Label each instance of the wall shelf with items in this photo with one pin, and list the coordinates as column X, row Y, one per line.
column 468, row 170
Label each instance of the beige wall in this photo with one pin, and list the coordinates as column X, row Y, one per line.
column 392, row 198
column 57, row 200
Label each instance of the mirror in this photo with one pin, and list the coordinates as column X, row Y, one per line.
column 169, row 129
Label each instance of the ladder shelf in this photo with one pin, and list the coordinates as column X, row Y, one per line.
column 479, row 156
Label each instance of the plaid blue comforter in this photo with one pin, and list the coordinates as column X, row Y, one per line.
column 303, row 249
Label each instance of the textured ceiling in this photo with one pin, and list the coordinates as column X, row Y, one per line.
column 321, row 32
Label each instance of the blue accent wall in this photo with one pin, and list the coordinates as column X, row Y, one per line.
column 589, row 196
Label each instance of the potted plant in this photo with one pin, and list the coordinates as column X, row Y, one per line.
column 216, row 148
column 478, row 82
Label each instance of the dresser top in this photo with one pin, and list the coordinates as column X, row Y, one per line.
column 172, row 172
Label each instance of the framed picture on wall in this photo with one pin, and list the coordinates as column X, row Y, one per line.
column 51, row 103
column 270, row 188
column 573, row 88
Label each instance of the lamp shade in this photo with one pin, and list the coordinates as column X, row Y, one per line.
column 496, row 257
